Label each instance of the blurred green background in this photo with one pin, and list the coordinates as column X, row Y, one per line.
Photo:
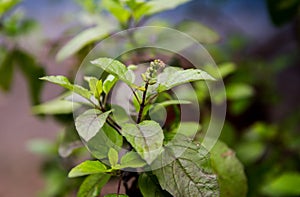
column 254, row 42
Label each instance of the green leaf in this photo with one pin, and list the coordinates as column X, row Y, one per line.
column 198, row 31
column 90, row 122
column 6, row 5
column 115, row 68
column 231, row 177
column 172, row 77
column 64, row 82
column 156, row 6
column 117, row 9
column 32, row 71
column 116, row 195
column 238, row 91
column 132, row 160
column 188, row 129
column 55, row 106
column 6, row 71
column 109, row 83
column 150, row 187
column 287, row 184
column 95, row 86
column 183, row 169
column 106, row 138
column 146, row 138
column 113, row 157
column 87, row 167
column 92, row 185
column 82, row 39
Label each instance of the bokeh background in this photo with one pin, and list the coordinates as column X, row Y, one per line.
column 259, row 37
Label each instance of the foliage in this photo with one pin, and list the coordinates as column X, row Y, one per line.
column 145, row 137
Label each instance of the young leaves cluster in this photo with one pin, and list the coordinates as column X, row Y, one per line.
column 180, row 168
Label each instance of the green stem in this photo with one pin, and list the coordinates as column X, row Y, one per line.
column 143, row 104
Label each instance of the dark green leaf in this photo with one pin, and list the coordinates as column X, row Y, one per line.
column 106, row 138
column 90, row 122
column 150, row 187
column 32, row 72
column 172, row 77
column 183, row 169
column 6, row 71
column 116, row 195
column 87, row 167
column 198, row 31
column 286, row 184
column 92, row 185
column 231, row 177
column 146, row 138
column 132, row 160
column 115, row 68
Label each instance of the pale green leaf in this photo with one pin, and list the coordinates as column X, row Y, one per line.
column 287, row 184
column 198, row 31
column 174, row 77
column 55, row 106
column 90, row 122
column 87, row 167
column 146, row 138
column 185, row 170
column 64, row 82
column 132, row 160
column 150, row 187
column 82, row 39
column 109, row 83
column 231, row 177
column 115, row 68
column 113, row 157
column 92, row 185
column 156, row 6
column 188, row 129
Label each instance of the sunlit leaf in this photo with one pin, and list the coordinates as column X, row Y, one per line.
column 115, row 68
column 156, row 6
column 109, row 83
column 64, row 82
column 87, row 167
column 117, row 9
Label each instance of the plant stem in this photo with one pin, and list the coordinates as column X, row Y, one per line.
column 142, row 106
column 119, row 185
